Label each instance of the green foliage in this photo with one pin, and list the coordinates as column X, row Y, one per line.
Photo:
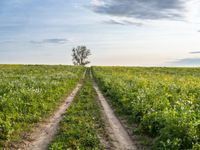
column 29, row 93
column 80, row 55
column 164, row 102
column 81, row 123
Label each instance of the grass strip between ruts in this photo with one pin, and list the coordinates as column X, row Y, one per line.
column 82, row 122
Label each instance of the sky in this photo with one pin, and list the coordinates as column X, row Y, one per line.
column 125, row 33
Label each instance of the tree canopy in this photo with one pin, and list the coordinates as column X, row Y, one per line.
column 80, row 55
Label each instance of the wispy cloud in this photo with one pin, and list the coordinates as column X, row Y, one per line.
column 122, row 22
column 51, row 41
column 141, row 9
column 186, row 62
column 6, row 41
column 195, row 52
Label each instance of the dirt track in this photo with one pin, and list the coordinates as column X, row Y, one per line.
column 44, row 133
column 121, row 139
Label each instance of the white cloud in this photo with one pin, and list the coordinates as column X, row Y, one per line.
column 123, row 22
column 51, row 41
column 97, row 2
column 192, row 10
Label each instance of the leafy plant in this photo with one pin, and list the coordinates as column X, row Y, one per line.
column 164, row 102
column 29, row 93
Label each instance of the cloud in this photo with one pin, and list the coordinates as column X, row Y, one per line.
column 6, row 41
column 186, row 62
column 122, row 22
column 97, row 2
column 141, row 9
column 51, row 41
column 55, row 41
column 195, row 52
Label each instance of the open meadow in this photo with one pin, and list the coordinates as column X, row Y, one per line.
column 162, row 104
column 30, row 93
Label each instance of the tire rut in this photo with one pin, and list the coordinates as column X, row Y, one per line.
column 120, row 138
column 45, row 132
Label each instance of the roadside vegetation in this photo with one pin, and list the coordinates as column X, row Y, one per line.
column 163, row 102
column 29, row 93
column 82, row 126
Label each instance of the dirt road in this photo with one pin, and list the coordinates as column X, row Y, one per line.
column 44, row 133
column 121, row 139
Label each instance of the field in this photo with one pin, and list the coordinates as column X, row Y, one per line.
column 163, row 102
column 30, row 93
column 159, row 104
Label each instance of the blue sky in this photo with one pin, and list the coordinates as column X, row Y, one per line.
column 129, row 32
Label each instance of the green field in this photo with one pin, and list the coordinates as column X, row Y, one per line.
column 163, row 102
column 29, row 93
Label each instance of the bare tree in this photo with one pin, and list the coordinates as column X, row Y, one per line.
column 80, row 55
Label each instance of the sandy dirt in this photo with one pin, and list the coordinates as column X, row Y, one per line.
column 120, row 138
column 44, row 133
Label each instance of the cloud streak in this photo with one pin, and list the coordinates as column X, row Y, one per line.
column 51, row 41
column 122, row 22
column 6, row 41
column 195, row 52
column 186, row 62
column 141, row 9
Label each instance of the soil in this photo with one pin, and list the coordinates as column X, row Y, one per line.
column 43, row 134
column 120, row 138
